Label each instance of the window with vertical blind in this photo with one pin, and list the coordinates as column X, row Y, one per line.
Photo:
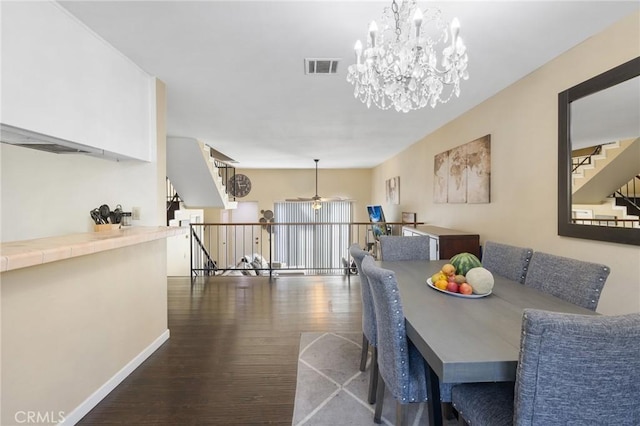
column 321, row 240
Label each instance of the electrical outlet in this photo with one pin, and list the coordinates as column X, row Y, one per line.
column 135, row 213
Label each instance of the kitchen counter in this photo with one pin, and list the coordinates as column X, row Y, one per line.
column 23, row 254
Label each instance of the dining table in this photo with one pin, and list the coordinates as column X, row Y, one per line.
column 466, row 339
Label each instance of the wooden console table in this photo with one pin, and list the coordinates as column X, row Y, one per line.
column 444, row 243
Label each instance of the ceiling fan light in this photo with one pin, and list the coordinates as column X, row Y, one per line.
column 316, row 205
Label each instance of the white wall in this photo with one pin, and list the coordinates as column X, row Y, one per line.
column 60, row 79
column 46, row 194
column 522, row 122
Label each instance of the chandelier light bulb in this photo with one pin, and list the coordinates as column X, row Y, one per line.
column 358, row 50
column 455, row 30
column 417, row 20
column 373, row 30
column 409, row 62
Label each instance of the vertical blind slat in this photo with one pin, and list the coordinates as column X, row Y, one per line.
column 321, row 240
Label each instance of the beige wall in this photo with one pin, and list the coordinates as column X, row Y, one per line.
column 161, row 151
column 522, row 122
column 271, row 185
column 69, row 326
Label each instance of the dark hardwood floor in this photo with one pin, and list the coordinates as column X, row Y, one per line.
column 232, row 355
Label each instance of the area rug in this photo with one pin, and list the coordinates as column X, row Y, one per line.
column 332, row 391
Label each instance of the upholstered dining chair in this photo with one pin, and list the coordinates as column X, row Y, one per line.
column 404, row 248
column 575, row 281
column 507, row 261
column 401, row 367
column 572, row 369
column 369, row 330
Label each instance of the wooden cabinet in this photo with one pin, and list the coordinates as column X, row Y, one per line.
column 444, row 243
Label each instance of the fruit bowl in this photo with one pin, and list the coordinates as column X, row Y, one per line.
column 466, row 296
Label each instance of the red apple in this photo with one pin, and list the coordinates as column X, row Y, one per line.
column 465, row 288
column 452, row 286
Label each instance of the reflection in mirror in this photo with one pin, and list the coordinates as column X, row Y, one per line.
column 599, row 157
column 605, row 157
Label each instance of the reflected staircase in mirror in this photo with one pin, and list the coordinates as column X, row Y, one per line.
column 628, row 196
column 604, row 184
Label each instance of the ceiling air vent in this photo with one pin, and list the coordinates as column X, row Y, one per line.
column 320, row 66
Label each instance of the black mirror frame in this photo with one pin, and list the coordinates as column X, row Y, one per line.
column 614, row 76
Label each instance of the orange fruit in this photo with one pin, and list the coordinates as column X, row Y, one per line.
column 441, row 284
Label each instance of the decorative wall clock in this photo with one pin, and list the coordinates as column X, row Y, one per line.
column 239, row 185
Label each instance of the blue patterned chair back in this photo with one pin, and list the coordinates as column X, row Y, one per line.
column 507, row 261
column 404, row 248
column 400, row 364
column 578, row 369
column 368, row 312
column 575, row 281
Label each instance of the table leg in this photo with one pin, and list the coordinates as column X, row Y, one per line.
column 433, row 395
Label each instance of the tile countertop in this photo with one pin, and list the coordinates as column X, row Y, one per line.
column 22, row 254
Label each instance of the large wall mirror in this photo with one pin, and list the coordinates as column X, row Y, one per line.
column 599, row 157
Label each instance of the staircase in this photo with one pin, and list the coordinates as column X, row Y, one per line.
column 173, row 202
column 608, row 171
column 627, row 197
column 196, row 175
column 601, row 183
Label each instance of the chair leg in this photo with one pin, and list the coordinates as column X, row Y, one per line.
column 447, row 411
column 365, row 352
column 373, row 379
column 402, row 419
column 377, row 417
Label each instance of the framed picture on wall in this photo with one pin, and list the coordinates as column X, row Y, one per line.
column 463, row 174
column 410, row 218
column 392, row 189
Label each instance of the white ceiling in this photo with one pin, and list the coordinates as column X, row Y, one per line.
column 235, row 77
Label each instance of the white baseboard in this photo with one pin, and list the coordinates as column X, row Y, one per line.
column 94, row 399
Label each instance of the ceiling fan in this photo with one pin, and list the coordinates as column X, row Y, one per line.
column 317, row 200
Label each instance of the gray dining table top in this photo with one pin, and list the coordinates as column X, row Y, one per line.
column 468, row 340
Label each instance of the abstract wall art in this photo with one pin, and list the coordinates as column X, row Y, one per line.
column 462, row 174
column 393, row 190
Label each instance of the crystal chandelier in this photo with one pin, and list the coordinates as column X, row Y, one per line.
column 400, row 66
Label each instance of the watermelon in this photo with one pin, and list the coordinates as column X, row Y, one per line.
column 465, row 261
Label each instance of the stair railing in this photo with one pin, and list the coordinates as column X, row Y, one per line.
column 173, row 201
column 624, row 193
column 248, row 249
column 225, row 171
column 201, row 260
column 585, row 160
